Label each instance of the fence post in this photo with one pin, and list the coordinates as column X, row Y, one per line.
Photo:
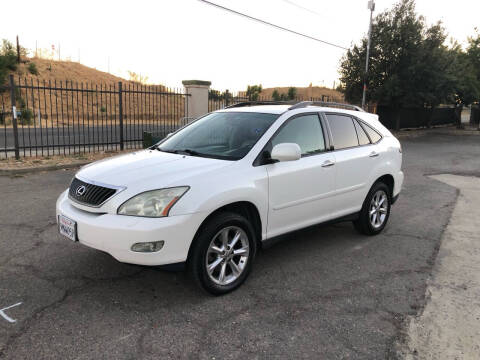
column 14, row 118
column 197, row 91
column 120, row 113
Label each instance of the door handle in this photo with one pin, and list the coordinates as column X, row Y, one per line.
column 374, row 154
column 328, row 163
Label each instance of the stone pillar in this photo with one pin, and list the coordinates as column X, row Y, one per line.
column 197, row 103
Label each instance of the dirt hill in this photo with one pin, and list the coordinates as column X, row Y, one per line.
column 66, row 70
column 66, row 103
column 315, row 92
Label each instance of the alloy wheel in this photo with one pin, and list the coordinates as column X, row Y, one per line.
column 378, row 209
column 227, row 255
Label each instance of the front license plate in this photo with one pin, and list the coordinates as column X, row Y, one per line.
column 67, row 227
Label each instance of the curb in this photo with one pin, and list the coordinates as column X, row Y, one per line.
column 28, row 170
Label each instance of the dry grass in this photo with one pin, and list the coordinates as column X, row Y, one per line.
column 50, row 70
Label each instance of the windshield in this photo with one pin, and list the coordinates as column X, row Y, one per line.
column 220, row 135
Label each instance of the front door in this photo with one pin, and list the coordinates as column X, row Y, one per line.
column 300, row 191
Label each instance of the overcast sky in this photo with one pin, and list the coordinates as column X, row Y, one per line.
column 173, row 40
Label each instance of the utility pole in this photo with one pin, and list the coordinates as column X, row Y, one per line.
column 18, row 51
column 371, row 7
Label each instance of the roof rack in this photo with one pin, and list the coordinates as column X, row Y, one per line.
column 303, row 104
column 253, row 103
column 297, row 105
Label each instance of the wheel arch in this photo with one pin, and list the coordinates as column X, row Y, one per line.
column 388, row 180
column 245, row 208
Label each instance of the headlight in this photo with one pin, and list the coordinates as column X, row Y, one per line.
column 155, row 203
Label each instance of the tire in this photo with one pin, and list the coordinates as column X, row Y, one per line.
column 379, row 199
column 210, row 248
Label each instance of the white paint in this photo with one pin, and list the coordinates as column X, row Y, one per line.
column 449, row 326
column 14, row 112
column 5, row 316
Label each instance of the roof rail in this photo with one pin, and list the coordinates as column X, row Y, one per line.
column 253, row 103
column 303, row 104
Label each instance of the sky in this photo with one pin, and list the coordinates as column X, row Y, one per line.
column 174, row 40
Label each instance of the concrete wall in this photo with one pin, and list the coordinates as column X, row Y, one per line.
column 197, row 103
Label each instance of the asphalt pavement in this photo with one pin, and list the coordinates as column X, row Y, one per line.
column 326, row 292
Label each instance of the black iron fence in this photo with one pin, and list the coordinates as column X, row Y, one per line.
column 49, row 118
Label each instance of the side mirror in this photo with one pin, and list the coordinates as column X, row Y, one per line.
column 286, row 152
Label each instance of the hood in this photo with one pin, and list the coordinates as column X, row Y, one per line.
column 150, row 169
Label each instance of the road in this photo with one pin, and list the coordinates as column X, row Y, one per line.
column 326, row 292
column 76, row 138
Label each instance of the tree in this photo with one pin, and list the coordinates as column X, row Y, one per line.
column 276, row 95
column 253, row 91
column 409, row 63
column 8, row 60
column 292, row 93
column 133, row 76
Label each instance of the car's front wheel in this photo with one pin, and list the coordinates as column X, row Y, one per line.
column 222, row 254
column 375, row 211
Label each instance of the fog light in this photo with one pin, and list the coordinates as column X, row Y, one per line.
column 153, row 246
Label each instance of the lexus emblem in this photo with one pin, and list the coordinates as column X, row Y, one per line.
column 80, row 190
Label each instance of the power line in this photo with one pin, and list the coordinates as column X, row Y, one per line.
column 270, row 24
column 303, row 8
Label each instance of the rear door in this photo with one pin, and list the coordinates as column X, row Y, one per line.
column 300, row 191
column 355, row 158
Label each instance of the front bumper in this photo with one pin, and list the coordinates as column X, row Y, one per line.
column 115, row 234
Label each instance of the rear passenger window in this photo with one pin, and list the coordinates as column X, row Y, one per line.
column 305, row 131
column 362, row 136
column 343, row 131
column 374, row 135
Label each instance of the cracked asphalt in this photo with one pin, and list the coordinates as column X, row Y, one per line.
column 325, row 292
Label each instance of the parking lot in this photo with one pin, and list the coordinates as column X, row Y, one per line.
column 324, row 292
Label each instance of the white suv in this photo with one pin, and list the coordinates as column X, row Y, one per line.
column 215, row 191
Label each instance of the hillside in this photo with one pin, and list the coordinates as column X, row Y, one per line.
column 66, row 70
column 315, row 92
column 65, row 104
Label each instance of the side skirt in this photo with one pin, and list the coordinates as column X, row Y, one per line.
column 272, row 241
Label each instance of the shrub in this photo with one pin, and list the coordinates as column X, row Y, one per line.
column 103, row 109
column 32, row 68
column 26, row 116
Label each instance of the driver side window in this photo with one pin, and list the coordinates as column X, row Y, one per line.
column 304, row 130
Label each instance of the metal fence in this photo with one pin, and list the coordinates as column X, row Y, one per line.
column 50, row 118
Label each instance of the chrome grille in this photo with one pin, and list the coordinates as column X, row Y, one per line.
column 89, row 194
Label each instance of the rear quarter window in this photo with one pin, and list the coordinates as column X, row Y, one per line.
column 372, row 133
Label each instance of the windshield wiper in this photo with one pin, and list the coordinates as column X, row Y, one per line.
column 196, row 153
column 182, row 152
column 188, row 152
column 167, row 151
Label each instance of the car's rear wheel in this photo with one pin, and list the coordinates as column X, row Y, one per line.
column 222, row 254
column 375, row 211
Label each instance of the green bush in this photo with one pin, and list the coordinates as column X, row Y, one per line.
column 32, row 68
column 103, row 109
column 26, row 116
